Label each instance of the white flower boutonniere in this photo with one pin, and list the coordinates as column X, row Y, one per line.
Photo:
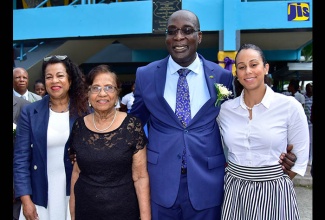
column 14, row 129
column 222, row 93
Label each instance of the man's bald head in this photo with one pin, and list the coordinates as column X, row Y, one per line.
column 186, row 15
column 20, row 80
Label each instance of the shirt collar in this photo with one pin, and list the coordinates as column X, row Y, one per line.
column 174, row 67
column 266, row 101
column 25, row 95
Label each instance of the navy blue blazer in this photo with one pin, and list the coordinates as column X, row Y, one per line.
column 206, row 160
column 30, row 153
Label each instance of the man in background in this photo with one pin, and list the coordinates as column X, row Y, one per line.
column 18, row 104
column 126, row 105
column 127, row 100
column 293, row 87
column 307, row 108
column 20, row 85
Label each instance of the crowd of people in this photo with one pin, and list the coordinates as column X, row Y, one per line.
column 77, row 157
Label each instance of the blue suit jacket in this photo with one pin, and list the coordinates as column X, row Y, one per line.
column 30, row 153
column 206, row 159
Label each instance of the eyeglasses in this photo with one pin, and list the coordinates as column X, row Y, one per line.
column 59, row 57
column 98, row 89
column 184, row 31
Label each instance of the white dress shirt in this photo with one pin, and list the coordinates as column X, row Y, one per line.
column 25, row 96
column 198, row 88
column 277, row 121
column 128, row 100
column 300, row 97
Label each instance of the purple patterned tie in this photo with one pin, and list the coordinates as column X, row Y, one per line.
column 183, row 109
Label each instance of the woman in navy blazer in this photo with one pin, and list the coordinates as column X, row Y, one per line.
column 42, row 168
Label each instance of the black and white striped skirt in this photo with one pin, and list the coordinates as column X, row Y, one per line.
column 258, row 193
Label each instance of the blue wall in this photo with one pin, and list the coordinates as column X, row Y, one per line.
column 135, row 17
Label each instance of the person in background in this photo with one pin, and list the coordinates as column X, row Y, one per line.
column 256, row 127
column 110, row 178
column 308, row 103
column 41, row 166
column 311, row 120
column 294, row 87
column 118, row 105
column 186, row 161
column 126, row 105
column 18, row 104
column 127, row 100
column 20, row 85
column 39, row 88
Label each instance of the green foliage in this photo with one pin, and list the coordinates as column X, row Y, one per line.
column 307, row 52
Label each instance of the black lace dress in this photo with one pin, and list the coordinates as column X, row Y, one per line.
column 105, row 189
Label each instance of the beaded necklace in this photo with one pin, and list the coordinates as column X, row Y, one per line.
column 104, row 128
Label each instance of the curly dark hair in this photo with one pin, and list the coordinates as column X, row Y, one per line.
column 78, row 88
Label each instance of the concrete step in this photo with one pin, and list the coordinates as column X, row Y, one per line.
column 306, row 180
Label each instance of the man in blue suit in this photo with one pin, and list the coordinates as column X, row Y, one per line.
column 195, row 192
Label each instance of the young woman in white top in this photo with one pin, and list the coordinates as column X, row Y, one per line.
column 256, row 127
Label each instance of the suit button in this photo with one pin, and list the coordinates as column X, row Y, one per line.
column 35, row 167
column 31, row 145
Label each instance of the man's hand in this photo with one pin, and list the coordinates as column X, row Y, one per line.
column 287, row 160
